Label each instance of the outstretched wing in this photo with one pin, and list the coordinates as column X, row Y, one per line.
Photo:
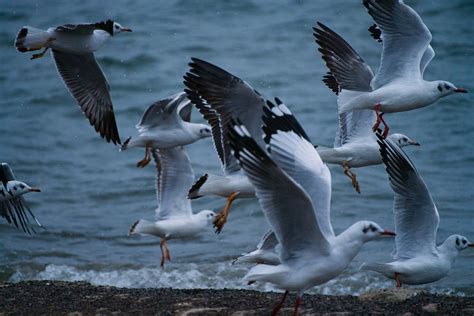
column 286, row 205
column 88, row 85
column 416, row 216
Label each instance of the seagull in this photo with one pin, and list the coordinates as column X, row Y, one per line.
column 166, row 124
column 265, row 252
column 293, row 187
column 399, row 85
column 73, row 47
column 220, row 96
column 417, row 258
column 355, row 144
column 13, row 206
column 174, row 215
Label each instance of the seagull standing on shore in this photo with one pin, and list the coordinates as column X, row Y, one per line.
column 13, row 206
column 294, row 190
column 399, row 85
column 73, row 47
column 221, row 96
column 174, row 215
column 166, row 124
column 355, row 144
column 417, row 258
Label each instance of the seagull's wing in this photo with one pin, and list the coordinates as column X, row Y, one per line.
column 286, row 205
column 86, row 28
column 292, row 150
column 6, row 173
column 176, row 177
column 166, row 113
column 229, row 95
column 228, row 162
column 416, row 216
column 156, row 158
column 405, row 39
column 17, row 213
column 268, row 241
column 429, row 54
column 88, row 85
column 352, row 75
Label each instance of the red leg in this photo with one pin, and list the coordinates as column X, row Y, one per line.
column 397, row 279
column 280, row 305
column 162, row 264
column 297, row 304
column 379, row 117
column 386, row 128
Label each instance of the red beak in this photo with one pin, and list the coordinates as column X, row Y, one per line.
column 460, row 90
column 35, row 190
column 387, row 233
column 471, row 245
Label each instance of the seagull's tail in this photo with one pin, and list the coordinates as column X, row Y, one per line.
column 30, row 38
column 265, row 273
column 143, row 227
column 194, row 191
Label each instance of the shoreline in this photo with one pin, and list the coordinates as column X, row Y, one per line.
column 77, row 298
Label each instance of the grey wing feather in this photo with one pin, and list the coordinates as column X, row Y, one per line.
column 416, row 216
column 176, row 177
column 228, row 161
column 285, row 204
column 156, row 158
column 88, row 85
column 268, row 241
column 229, row 95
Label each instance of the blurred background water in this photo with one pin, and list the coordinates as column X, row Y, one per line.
column 91, row 193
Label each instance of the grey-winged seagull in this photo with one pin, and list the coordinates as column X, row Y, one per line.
column 73, row 47
column 399, row 85
column 293, row 187
column 13, row 206
column 165, row 124
column 174, row 217
column 355, row 144
column 417, row 258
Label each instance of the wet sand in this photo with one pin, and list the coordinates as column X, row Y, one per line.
column 77, row 298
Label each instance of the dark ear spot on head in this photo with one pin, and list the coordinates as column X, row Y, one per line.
column 14, row 188
column 457, row 241
column 440, row 88
column 365, row 230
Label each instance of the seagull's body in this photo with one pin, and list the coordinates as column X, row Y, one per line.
column 73, row 47
column 399, row 85
column 349, row 76
column 294, row 190
column 13, row 206
column 221, row 96
column 174, row 216
column 166, row 124
column 417, row 258
column 265, row 252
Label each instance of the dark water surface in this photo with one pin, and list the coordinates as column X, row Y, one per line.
column 91, row 193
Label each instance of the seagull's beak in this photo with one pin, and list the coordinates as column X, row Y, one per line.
column 412, row 142
column 35, row 190
column 126, row 30
column 387, row 233
column 471, row 245
column 460, row 90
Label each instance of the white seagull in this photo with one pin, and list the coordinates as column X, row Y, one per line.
column 399, row 85
column 13, row 206
column 174, row 215
column 294, row 190
column 221, row 96
column 417, row 258
column 73, row 47
column 355, row 144
column 265, row 252
column 165, row 124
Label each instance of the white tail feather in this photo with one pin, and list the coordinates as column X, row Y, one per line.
column 30, row 38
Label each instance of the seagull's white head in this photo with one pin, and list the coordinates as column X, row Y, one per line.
column 207, row 215
column 368, row 230
column 458, row 242
column 204, row 131
column 17, row 188
column 403, row 140
column 444, row 88
column 117, row 28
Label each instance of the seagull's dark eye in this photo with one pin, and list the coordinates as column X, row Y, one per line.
column 464, row 241
column 447, row 87
column 116, row 27
column 22, row 186
column 372, row 228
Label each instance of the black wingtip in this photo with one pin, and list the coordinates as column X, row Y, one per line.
column 193, row 192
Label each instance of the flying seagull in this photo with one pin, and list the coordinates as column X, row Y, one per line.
column 417, row 258
column 13, row 206
column 294, row 191
column 165, row 124
column 73, row 47
column 174, row 215
column 355, row 144
column 399, row 85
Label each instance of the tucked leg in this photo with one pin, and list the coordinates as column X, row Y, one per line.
column 297, row 304
column 45, row 45
column 221, row 218
column 280, row 304
column 397, row 279
column 348, row 172
column 145, row 161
